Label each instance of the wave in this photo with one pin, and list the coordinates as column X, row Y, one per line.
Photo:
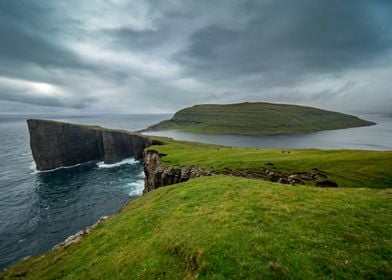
column 102, row 164
column 138, row 188
column 33, row 168
column 35, row 171
column 141, row 174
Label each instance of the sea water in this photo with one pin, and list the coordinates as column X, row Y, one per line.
column 40, row 209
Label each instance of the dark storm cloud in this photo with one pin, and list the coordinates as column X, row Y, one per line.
column 120, row 55
column 18, row 45
column 293, row 38
column 29, row 36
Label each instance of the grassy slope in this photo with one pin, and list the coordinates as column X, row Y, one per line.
column 224, row 227
column 257, row 119
column 232, row 228
column 348, row 168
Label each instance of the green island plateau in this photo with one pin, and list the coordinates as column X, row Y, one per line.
column 242, row 221
column 257, row 118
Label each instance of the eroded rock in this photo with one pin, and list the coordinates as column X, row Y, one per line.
column 157, row 174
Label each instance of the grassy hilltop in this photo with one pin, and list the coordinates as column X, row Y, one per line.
column 257, row 119
column 225, row 227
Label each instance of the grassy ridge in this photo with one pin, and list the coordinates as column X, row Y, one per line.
column 348, row 168
column 257, row 119
column 232, row 228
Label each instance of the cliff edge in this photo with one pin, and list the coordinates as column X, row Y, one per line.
column 157, row 174
column 56, row 144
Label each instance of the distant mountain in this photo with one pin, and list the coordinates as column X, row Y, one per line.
column 257, row 119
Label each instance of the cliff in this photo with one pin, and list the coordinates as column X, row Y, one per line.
column 55, row 144
column 157, row 174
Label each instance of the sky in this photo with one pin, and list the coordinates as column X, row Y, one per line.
column 131, row 56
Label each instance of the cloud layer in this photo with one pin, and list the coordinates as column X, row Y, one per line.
column 133, row 56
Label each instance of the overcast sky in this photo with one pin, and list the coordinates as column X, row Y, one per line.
column 129, row 56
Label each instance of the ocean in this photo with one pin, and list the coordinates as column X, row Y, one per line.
column 40, row 209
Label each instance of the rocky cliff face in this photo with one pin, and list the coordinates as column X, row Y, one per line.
column 56, row 144
column 157, row 174
column 118, row 145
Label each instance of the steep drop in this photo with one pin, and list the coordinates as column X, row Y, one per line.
column 56, row 144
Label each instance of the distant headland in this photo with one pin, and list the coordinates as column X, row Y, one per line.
column 257, row 118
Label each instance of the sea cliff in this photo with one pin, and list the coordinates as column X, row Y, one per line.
column 56, row 144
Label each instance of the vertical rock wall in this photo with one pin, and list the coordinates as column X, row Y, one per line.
column 157, row 174
column 55, row 144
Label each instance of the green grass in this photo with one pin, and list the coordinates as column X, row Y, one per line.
column 87, row 126
column 348, row 168
column 222, row 227
column 257, row 119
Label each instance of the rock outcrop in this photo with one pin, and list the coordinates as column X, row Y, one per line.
column 56, row 144
column 157, row 174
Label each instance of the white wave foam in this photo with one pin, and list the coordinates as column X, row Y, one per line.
column 102, row 164
column 138, row 188
column 141, row 174
column 35, row 171
column 33, row 168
